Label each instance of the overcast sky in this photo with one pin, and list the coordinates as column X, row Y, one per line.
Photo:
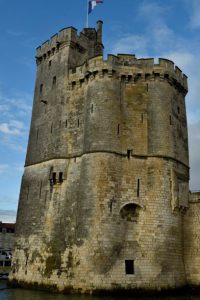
column 149, row 28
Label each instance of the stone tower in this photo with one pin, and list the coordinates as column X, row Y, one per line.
column 106, row 175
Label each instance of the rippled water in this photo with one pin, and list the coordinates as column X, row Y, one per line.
column 22, row 294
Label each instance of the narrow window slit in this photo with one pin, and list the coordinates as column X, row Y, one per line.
column 78, row 123
column 61, row 177
column 92, row 109
column 27, row 195
column 54, row 177
column 66, row 123
column 118, row 129
column 40, row 190
column 41, row 88
column 129, row 154
column 138, row 188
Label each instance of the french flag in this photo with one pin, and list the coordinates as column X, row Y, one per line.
column 92, row 4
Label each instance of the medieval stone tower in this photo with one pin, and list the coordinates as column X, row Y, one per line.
column 106, row 177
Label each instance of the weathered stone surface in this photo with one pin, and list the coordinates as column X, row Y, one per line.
column 106, row 175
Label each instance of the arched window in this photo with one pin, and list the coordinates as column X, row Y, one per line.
column 130, row 212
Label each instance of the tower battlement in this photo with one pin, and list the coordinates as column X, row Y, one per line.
column 89, row 39
column 130, row 69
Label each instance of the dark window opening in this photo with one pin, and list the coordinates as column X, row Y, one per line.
column 49, row 64
column 170, row 120
column 66, row 124
column 7, row 263
column 1, row 263
column 118, row 129
column 129, row 267
column 138, row 188
column 129, row 152
column 41, row 88
column 92, row 108
column 61, row 177
column 73, row 85
column 178, row 109
column 27, row 195
column 78, row 123
column 54, row 81
column 142, row 118
column 40, row 190
column 54, row 177
column 130, row 212
column 51, row 128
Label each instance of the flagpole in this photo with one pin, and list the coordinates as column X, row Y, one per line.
column 87, row 14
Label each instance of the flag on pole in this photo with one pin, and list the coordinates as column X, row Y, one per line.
column 92, row 4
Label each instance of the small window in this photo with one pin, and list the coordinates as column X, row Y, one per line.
column 92, row 109
column 129, row 152
column 7, row 263
column 1, row 263
column 41, row 88
column 118, row 129
column 54, row 81
column 66, row 123
column 138, row 188
column 50, row 64
column 178, row 110
column 129, row 267
column 61, row 177
column 4, row 230
column 54, row 178
column 78, row 123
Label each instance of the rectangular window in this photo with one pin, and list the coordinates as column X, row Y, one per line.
column 92, row 108
column 129, row 153
column 7, row 263
column 41, row 88
column 61, row 177
column 54, row 81
column 54, row 178
column 118, row 129
column 129, row 267
column 138, row 188
column 1, row 263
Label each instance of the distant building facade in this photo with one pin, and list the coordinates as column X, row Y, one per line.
column 104, row 197
column 7, row 239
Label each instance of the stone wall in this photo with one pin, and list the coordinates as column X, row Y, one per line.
column 106, row 176
column 191, row 240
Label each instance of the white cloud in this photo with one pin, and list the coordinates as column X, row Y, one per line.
column 13, row 127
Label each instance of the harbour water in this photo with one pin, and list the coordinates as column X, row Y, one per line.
column 23, row 294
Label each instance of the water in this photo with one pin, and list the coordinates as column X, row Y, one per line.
column 23, row 294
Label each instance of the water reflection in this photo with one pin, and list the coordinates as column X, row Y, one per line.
column 22, row 294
